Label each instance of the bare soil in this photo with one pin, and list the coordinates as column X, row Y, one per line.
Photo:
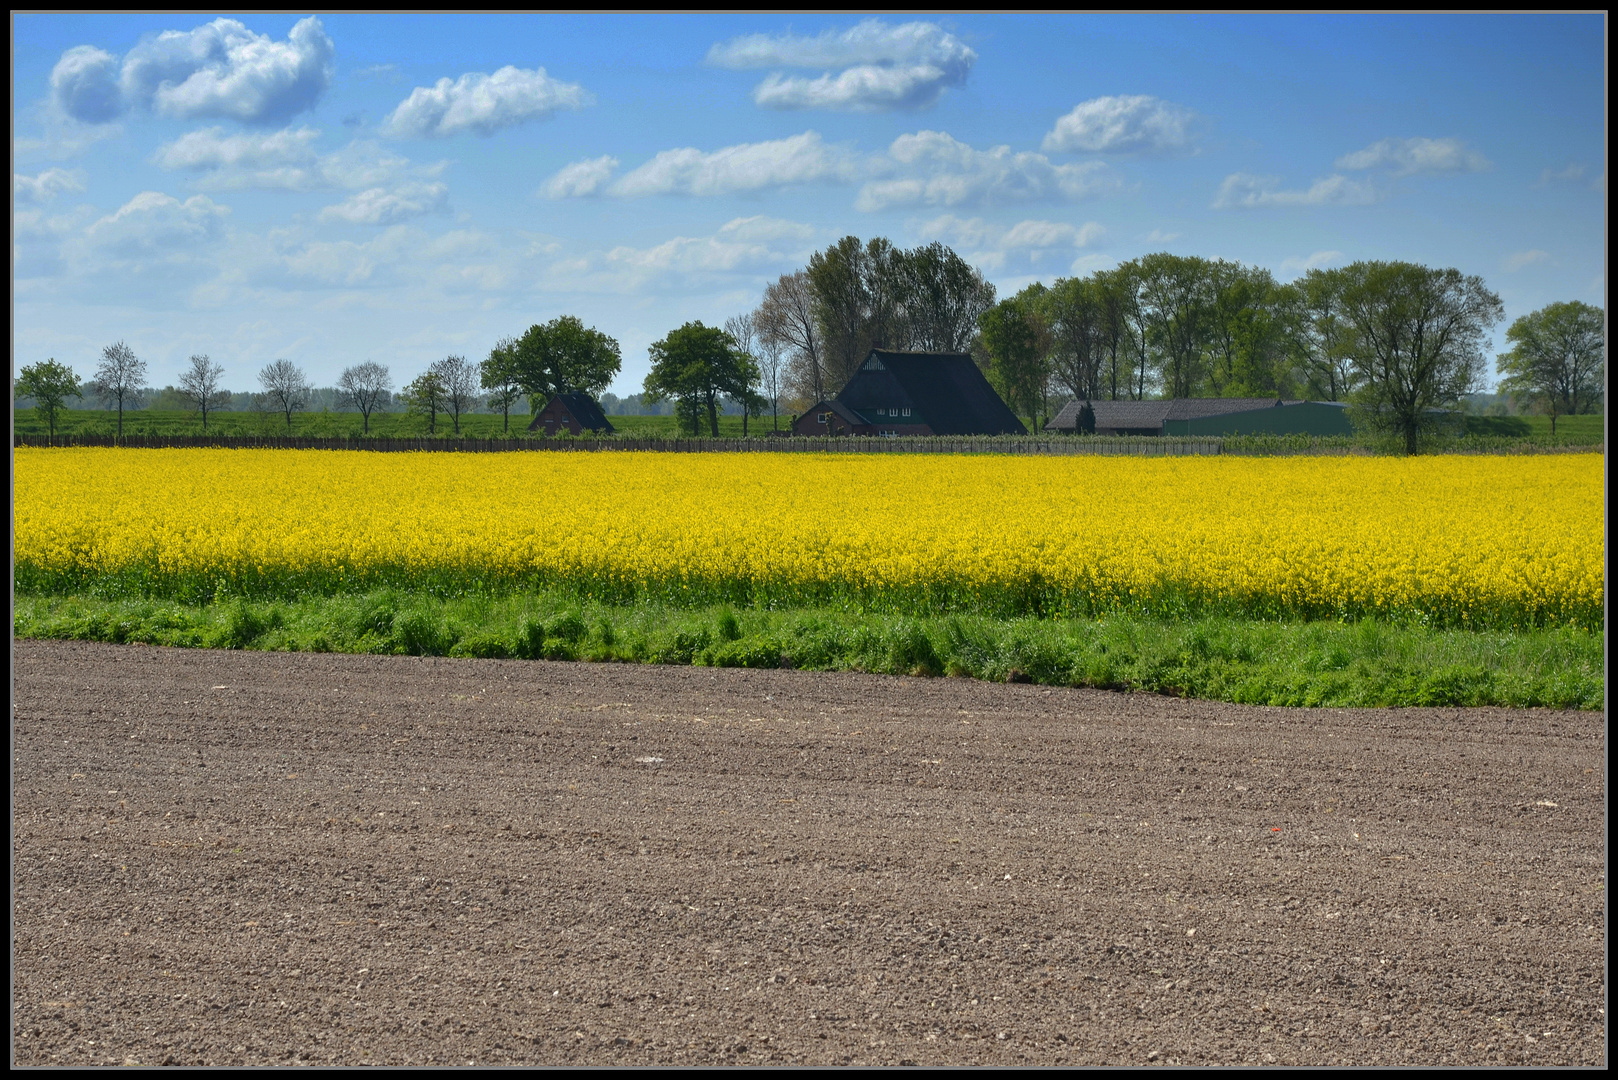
column 231, row 857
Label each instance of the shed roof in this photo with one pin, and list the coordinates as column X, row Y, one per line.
column 1140, row 415
column 583, row 408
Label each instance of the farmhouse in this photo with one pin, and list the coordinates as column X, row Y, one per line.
column 1210, row 416
column 575, row 412
column 912, row 393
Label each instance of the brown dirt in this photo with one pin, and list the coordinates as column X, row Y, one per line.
column 251, row 858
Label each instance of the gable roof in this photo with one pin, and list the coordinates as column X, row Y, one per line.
column 947, row 389
column 585, row 409
column 848, row 415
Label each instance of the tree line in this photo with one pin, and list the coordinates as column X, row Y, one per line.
column 1398, row 340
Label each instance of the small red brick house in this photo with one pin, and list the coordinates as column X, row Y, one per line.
column 573, row 413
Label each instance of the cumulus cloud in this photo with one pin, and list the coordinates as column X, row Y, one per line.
column 84, row 85
column 938, row 170
column 989, row 243
column 1136, row 124
column 882, row 67
column 37, row 190
column 1408, row 156
column 580, row 179
column 1158, row 236
column 799, row 159
column 156, row 224
column 483, row 104
column 384, row 206
column 1318, row 260
column 1520, row 259
column 1247, row 191
column 221, row 70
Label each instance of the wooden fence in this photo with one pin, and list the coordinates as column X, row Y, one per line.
column 1123, row 445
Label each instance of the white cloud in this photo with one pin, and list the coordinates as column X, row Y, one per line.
column 156, row 224
column 691, row 253
column 1158, row 236
column 882, row 67
column 35, row 190
column 988, row 243
column 765, row 229
column 84, row 85
column 798, row 159
column 1319, row 260
column 1520, row 259
column 1136, row 124
column 580, row 179
column 1247, row 191
column 381, row 206
column 942, row 171
column 225, row 70
column 1408, row 156
column 284, row 161
column 483, row 104
column 211, row 148
column 1573, row 173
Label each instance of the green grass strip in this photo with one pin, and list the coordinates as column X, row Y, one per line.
column 1368, row 663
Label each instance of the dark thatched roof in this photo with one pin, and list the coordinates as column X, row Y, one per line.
column 947, row 390
column 584, row 408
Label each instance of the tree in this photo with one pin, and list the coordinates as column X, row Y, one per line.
column 787, row 319
column 771, row 355
column 502, row 379
column 50, row 385
column 946, row 297
column 842, row 300
column 1319, row 334
column 367, row 387
column 1072, row 310
column 460, row 385
column 563, row 356
column 1417, row 342
column 1018, row 343
column 695, row 366
column 119, row 378
column 286, row 387
column 424, row 396
column 1085, row 422
column 200, row 386
column 1176, row 301
column 1121, row 337
column 1558, row 358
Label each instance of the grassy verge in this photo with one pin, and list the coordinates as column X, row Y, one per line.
column 1366, row 663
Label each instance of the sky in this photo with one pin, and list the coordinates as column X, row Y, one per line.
column 332, row 189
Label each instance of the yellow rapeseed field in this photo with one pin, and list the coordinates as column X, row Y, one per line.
column 1484, row 540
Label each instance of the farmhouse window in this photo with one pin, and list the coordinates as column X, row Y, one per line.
column 907, row 412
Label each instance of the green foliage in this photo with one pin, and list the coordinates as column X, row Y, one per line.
column 696, row 366
column 1558, row 359
column 1359, row 664
column 50, row 385
column 560, row 357
column 1018, row 341
column 424, row 396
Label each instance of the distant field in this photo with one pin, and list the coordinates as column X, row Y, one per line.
column 1574, row 429
column 325, row 424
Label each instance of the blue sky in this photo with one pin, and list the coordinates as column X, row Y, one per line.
column 337, row 188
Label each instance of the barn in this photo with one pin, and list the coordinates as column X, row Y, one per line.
column 575, row 413
column 912, row 393
column 1210, row 416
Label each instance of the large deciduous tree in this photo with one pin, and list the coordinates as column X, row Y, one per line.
column 787, row 319
column 424, row 396
column 367, row 387
column 119, row 379
column 1558, row 358
column 1417, row 347
column 502, row 378
column 199, row 385
column 50, row 385
column 1018, row 343
column 695, row 366
column 563, row 356
column 460, row 382
column 286, row 386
